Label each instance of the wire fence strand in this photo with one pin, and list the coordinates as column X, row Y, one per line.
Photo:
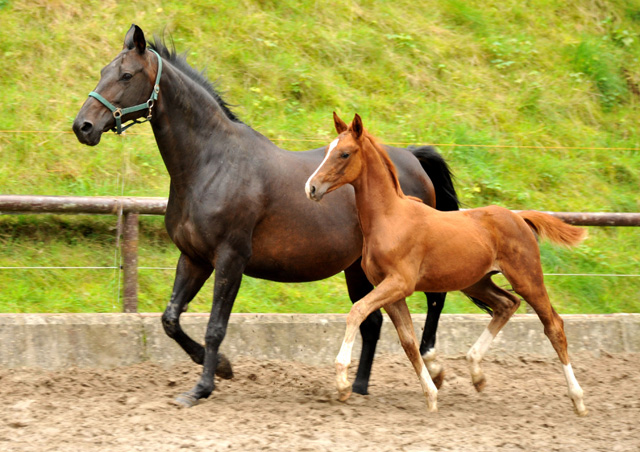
column 392, row 142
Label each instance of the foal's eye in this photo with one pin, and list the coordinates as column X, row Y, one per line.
column 344, row 155
column 126, row 76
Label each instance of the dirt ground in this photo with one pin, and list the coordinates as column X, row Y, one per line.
column 278, row 405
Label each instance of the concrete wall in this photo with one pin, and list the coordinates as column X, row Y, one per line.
column 54, row 341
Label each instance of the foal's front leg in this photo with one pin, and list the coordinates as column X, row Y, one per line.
column 387, row 292
column 401, row 318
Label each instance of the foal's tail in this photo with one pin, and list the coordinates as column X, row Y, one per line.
column 553, row 229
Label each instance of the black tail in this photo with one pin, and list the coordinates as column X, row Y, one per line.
column 440, row 174
column 446, row 197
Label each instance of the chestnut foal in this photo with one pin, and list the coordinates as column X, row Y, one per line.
column 409, row 246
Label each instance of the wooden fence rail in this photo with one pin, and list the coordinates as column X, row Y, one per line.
column 131, row 207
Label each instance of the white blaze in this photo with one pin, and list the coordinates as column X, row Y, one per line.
column 332, row 146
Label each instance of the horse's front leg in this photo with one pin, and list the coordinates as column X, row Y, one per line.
column 435, row 303
column 230, row 266
column 387, row 291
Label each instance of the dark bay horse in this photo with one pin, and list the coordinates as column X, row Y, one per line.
column 409, row 246
column 234, row 200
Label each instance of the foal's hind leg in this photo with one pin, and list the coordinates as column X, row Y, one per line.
column 504, row 305
column 401, row 318
column 531, row 287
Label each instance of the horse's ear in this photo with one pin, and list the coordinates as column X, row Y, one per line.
column 357, row 127
column 341, row 126
column 135, row 39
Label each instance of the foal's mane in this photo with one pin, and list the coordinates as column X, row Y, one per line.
column 393, row 173
column 180, row 62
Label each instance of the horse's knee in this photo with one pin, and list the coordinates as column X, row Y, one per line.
column 215, row 335
column 170, row 323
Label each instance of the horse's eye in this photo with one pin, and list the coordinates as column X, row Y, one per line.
column 126, row 76
column 344, row 155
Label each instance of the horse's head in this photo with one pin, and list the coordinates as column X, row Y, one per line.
column 342, row 162
column 127, row 89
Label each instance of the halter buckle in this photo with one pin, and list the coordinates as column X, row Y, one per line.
column 117, row 113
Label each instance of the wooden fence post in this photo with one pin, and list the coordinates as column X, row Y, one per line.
column 130, row 262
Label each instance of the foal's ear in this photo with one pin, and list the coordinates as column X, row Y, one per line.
column 357, row 127
column 341, row 126
column 135, row 39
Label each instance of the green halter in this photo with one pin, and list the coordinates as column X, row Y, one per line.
column 118, row 113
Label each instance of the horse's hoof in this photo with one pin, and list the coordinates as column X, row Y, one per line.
column 480, row 384
column 359, row 388
column 186, row 400
column 224, row 369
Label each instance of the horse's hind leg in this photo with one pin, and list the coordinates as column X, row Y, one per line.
column 401, row 319
column 188, row 281
column 435, row 303
column 359, row 286
column 532, row 289
column 504, row 305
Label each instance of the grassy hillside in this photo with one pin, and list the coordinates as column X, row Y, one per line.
column 534, row 104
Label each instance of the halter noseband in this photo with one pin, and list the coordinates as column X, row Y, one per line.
column 118, row 113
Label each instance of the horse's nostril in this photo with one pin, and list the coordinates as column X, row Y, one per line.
column 86, row 127
column 313, row 190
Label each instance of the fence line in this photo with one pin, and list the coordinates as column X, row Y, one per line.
column 132, row 207
column 395, row 143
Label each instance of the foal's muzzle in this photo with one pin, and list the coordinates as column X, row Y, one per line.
column 312, row 192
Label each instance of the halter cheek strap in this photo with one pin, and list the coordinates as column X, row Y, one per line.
column 118, row 113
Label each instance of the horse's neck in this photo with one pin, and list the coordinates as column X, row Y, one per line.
column 185, row 120
column 376, row 193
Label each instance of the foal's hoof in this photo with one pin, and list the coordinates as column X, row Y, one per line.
column 186, row 400
column 582, row 413
column 480, row 383
column 343, row 396
column 224, row 369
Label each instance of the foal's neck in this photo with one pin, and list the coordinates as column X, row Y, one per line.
column 377, row 188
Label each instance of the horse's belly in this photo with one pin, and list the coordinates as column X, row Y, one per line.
column 301, row 267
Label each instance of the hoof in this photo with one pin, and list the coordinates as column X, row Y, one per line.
column 343, row 396
column 480, row 383
column 360, row 388
column 438, row 379
column 186, row 400
column 579, row 408
column 224, row 369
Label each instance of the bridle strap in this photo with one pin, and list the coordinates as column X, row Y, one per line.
column 118, row 113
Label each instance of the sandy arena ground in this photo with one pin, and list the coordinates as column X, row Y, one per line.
column 288, row 406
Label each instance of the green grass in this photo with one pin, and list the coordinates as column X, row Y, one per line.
column 510, row 75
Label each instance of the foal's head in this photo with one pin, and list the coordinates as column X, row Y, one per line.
column 342, row 162
column 126, row 82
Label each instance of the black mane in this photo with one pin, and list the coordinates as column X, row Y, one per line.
column 180, row 61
